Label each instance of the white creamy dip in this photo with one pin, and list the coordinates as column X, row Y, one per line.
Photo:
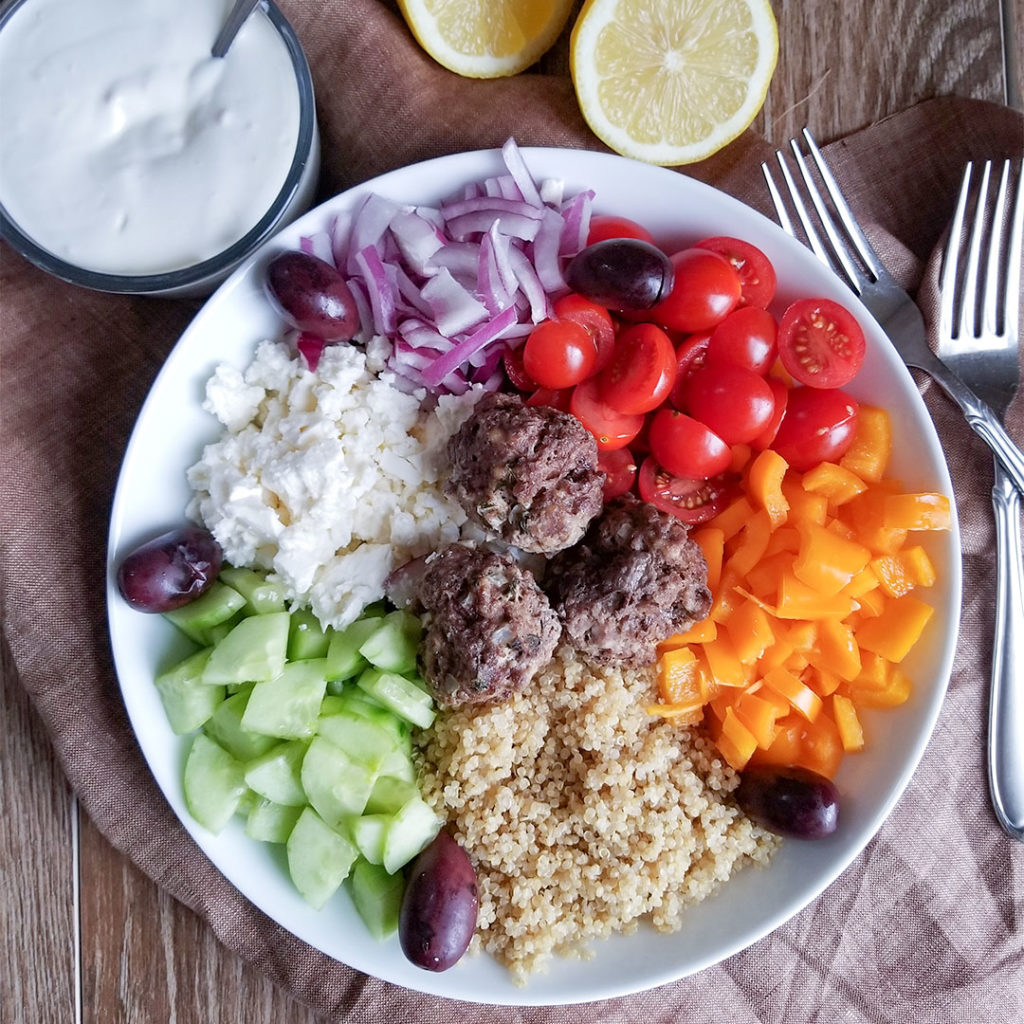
column 126, row 148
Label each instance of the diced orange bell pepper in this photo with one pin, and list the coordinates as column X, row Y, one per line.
column 753, row 542
column 681, row 714
column 803, row 699
column 804, row 506
column 763, row 578
column 759, row 716
column 736, row 742
column 851, row 733
column 895, row 692
column 726, row 600
column 837, row 650
column 861, row 584
column 725, row 667
column 866, row 514
column 796, row 600
column 918, row 512
column 678, row 680
column 827, row 562
column 821, row 750
column 868, row 455
column 785, row 749
column 901, row 572
column 764, row 482
column 733, row 517
column 786, row 539
column 699, row 633
column 750, row 632
column 893, row 633
column 711, row 542
column 822, row 682
column 838, row 484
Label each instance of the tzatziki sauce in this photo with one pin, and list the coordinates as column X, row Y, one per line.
column 125, row 147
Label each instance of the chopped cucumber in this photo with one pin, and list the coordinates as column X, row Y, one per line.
column 337, row 786
column 412, row 829
column 277, row 774
column 261, row 596
column 368, row 833
column 253, row 651
column 343, row 657
column 392, row 646
column 289, row 704
column 362, row 739
column 401, row 695
column 306, row 637
column 319, row 858
column 390, row 794
column 270, row 822
column 187, row 700
column 225, row 726
column 214, row 783
column 353, row 701
column 377, row 896
column 212, row 608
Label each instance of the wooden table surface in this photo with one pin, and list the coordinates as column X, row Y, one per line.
column 84, row 936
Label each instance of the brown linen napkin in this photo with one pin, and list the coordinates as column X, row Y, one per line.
column 925, row 926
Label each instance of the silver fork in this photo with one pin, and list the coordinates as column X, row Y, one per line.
column 978, row 337
column 850, row 254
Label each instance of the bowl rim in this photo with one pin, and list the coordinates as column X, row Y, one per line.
column 225, row 260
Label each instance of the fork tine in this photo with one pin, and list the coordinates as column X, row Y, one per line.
column 1015, row 249
column 846, row 217
column 991, row 306
column 968, row 305
column 780, row 207
column 839, row 247
column 950, row 258
column 806, row 221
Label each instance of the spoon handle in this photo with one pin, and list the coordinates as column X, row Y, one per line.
column 234, row 21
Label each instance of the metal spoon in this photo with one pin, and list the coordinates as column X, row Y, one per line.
column 234, row 21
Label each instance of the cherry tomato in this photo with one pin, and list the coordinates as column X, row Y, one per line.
column 559, row 353
column 735, row 402
column 642, row 370
column 686, row 447
column 754, row 268
column 747, row 337
column 595, row 318
column 690, row 356
column 705, row 290
column 515, row 371
column 607, row 226
column 818, row 427
column 619, row 468
column 692, row 501
column 556, row 398
column 612, row 429
column 780, row 394
column 820, row 343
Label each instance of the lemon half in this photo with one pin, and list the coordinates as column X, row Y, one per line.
column 486, row 38
column 672, row 81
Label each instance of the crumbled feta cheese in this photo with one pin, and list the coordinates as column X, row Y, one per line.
column 327, row 479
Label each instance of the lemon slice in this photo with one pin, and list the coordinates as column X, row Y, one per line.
column 486, row 38
column 672, row 82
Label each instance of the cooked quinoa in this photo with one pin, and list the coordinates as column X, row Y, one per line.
column 581, row 813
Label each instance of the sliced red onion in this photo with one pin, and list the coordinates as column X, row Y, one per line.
column 576, row 215
column 418, row 239
column 520, row 172
column 371, row 221
column 455, row 309
column 311, row 348
column 546, row 247
column 529, row 282
column 379, row 289
column 461, row 351
column 518, row 225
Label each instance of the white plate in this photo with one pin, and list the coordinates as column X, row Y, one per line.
column 152, row 494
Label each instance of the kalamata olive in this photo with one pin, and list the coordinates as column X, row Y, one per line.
column 171, row 570
column 312, row 296
column 621, row 273
column 438, row 915
column 793, row 802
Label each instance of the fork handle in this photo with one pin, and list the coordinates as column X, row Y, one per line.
column 1006, row 709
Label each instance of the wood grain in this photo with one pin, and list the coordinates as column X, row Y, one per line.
column 146, row 958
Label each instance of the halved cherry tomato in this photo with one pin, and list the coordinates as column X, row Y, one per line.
column 692, row 501
column 686, row 447
column 642, row 370
column 820, row 343
column 754, row 268
column 611, row 428
column 516, row 372
column 690, row 356
column 605, row 226
column 556, row 398
column 780, row 393
column 595, row 318
column 559, row 353
column 619, row 468
column 736, row 403
column 747, row 337
column 818, row 427
column 705, row 290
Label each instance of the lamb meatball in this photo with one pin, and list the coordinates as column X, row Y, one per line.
column 635, row 579
column 488, row 627
column 527, row 473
